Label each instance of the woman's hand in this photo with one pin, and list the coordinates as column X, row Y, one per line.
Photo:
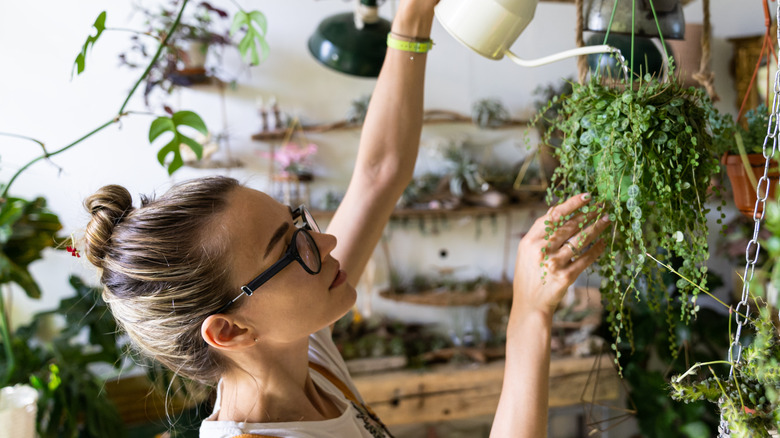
column 546, row 267
column 414, row 18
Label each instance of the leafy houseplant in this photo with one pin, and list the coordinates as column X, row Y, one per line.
column 745, row 159
column 203, row 30
column 749, row 397
column 71, row 400
column 646, row 153
column 26, row 229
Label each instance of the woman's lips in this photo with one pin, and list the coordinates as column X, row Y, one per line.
column 341, row 277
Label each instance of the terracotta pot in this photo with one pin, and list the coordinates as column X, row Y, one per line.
column 744, row 191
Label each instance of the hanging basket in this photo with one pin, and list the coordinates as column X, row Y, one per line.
column 743, row 187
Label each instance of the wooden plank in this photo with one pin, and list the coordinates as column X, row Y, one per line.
column 449, row 392
column 138, row 401
column 445, row 392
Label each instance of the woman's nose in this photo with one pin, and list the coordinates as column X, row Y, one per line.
column 325, row 243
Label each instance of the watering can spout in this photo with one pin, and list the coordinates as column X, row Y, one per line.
column 490, row 27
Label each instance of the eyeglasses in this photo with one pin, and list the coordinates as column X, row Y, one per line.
column 301, row 249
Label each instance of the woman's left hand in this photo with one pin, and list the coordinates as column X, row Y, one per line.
column 547, row 265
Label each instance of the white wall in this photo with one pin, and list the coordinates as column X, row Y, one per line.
column 37, row 98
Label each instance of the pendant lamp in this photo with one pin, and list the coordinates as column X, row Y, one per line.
column 598, row 14
column 353, row 43
column 647, row 56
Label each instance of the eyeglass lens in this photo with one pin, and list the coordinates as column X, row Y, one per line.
column 308, row 219
column 308, row 251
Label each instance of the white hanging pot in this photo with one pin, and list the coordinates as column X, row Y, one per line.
column 17, row 411
column 490, row 27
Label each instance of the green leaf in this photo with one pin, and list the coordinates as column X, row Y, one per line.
column 26, row 229
column 81, row 58
column 253, row 45
column 172, row 124
column 24, row 279
column 696, row 429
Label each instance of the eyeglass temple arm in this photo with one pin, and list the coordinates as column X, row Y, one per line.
column 252, row 286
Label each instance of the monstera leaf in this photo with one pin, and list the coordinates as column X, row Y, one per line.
column 26, row 229
column 172, row 124
column 81, row 58
column 253, row 46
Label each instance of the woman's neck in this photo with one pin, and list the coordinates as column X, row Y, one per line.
column 271, row 383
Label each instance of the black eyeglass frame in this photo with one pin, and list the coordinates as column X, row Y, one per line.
column 291, row 254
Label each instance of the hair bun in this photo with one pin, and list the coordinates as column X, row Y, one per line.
column 108, row 207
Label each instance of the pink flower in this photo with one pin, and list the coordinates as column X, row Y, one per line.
column 292, row 157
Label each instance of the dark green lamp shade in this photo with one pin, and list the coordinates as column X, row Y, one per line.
column 338, row 44
column 599, row 16
column 647, row 57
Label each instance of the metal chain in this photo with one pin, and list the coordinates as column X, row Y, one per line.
column 762, row 192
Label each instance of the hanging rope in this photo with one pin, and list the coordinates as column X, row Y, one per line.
column 705, row 76
column 582, row 60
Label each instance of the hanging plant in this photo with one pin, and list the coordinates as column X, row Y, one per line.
column 647, row 155
column 748, row 398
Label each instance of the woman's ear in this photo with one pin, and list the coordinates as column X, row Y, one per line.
column 223, row 332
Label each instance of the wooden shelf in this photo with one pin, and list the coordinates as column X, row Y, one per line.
column 429, row 117
column 449, row 392
column 461, row 211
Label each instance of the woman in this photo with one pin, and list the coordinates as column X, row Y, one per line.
column 226, row 286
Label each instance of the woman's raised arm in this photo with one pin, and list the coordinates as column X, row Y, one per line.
column 388, row 144
column 540, row 281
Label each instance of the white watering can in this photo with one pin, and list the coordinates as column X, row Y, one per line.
column 490, row 27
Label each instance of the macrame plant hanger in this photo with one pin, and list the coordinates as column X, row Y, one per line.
column 754, row 247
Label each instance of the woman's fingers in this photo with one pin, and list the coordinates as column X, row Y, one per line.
column 586, row 258
column 574, row 244
column 558, row 212
column 569, row 228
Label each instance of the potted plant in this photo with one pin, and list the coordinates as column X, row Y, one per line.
column 293, row 172
column 646, row 152
column 202, row 30
column 70, row 397
column 749, row 396
column 745, row 160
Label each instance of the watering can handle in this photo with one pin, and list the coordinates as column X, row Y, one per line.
column 587, row 50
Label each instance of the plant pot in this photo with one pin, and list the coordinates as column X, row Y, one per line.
column 742, row 187
column 625, row 182
column 193, row 57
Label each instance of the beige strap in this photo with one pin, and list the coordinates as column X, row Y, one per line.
column 253, row 435
column 335, row 381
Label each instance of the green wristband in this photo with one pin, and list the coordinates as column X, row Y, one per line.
column 409, row 46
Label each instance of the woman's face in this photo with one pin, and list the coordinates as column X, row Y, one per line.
column 293, row 303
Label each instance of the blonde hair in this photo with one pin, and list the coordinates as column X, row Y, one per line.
column 165, row 268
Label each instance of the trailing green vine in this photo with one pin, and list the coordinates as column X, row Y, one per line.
column 647, row 154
